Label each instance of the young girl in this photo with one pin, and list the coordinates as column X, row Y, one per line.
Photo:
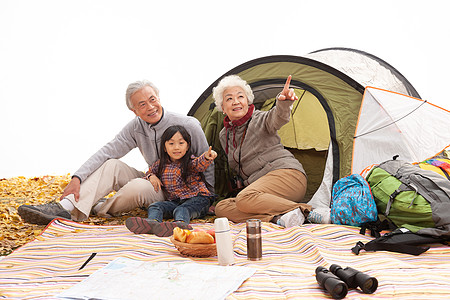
column 178, row 174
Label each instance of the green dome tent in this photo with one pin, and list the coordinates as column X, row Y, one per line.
column 330, row 84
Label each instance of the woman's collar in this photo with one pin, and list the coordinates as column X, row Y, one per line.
column 228, row 123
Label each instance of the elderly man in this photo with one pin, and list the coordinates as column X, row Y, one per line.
column 103, row 172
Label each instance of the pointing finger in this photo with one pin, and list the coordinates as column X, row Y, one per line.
column 288, row 82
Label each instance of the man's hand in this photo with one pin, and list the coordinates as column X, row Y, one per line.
column 210, row 154
column 72, row 188
column 287, row 93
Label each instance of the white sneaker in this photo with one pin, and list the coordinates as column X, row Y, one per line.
column 98, row 206
column 293, row 218
column 320, row 216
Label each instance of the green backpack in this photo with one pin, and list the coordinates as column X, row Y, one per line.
column 415, row 200
column 412, row 198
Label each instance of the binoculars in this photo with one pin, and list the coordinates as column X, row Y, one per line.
column 339, row 280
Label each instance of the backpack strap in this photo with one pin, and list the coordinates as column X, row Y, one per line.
column 399, row 248
column 400, row 240
column 376, row 227
column 402, row 188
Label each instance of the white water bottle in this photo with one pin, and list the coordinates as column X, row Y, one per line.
column 224, row 243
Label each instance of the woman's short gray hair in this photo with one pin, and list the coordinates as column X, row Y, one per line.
column 231, row 81
column 136, row 86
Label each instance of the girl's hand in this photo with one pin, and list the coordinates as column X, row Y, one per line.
column 154, row 180
column 287, row 93
column 210, row 154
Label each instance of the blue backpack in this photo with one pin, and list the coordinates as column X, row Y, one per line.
column 352, row 202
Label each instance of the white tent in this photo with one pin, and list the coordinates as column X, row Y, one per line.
column 365, row 68
column 394, row 124
column 390, row 124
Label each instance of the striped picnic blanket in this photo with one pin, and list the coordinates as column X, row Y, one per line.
column 50, row 264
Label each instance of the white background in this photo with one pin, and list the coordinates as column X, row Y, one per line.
column 65, row 65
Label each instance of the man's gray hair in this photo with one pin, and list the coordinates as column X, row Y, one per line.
column 231, row 81
column 136, row 86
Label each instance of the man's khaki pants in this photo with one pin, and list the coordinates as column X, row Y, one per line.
column 275, row 193
column 132, row 191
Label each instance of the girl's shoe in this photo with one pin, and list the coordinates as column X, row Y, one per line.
column 146, row 226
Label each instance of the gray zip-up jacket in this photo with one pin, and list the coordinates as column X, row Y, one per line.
column 147, row 138
column 261, row 150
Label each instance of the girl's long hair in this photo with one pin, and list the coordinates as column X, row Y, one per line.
column 165, row 159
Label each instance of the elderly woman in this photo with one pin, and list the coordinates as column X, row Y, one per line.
column 274, row 180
